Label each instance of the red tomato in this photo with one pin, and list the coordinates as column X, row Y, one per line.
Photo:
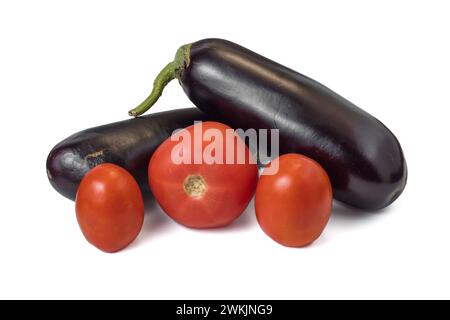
column 208, row 194
column 293, row 206
column 109, row 206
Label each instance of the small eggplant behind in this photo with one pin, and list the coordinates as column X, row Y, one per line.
column 129, row 144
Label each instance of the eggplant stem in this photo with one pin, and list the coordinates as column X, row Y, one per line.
column 164, row 77
column 171, row 71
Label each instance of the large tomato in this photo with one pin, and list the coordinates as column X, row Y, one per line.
column 203, row 191
column 293, row 206
column 109, row 207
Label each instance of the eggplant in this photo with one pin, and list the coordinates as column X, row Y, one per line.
column 362, row 156
column 129, row 144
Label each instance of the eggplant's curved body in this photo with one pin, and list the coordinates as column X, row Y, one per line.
column 363, row 158
column 128, row 143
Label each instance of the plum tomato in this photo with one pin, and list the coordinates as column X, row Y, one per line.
column 203, row 176
column 293, row 205
column 109, row 207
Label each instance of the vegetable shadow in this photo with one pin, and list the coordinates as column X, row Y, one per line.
column 156, row 221
column 343, row 215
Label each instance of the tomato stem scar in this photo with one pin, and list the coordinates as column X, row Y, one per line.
column 194, row 186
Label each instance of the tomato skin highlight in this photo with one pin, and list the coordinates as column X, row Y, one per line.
column 109, row 207
column 202, row 195
column 294, row 205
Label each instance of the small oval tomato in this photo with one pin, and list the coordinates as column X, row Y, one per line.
column 109, row 207
column 293, row 205
column 197, row 178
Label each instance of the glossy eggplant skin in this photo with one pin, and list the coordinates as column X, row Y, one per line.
column 363, row 158
column 128, row 143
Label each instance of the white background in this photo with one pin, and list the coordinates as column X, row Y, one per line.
column 69, row 65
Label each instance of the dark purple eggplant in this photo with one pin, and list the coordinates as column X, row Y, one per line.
column 363, row 158
column 128, row 143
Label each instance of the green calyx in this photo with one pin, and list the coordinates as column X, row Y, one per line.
column 182, row 59
column 171, row 71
